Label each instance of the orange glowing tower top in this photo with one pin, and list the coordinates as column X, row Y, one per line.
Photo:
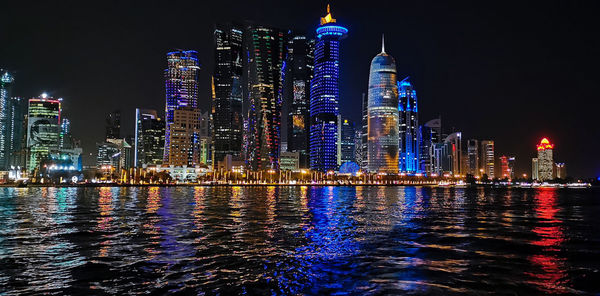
column 545, row 144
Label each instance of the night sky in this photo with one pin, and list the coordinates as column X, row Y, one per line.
column 508, row 71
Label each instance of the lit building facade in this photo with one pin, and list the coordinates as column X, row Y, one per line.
column 13, row 111
column 430, row 135
column 452, row 154
column 561, row 170
column 383, row 115
column 545, row 160
column 184, row 138
column 149, row 139
column 297, row 72
column 43, row 129
column 362, row 157
column 227, row 112
column 504, row 170
column 325, row 95
column 408, row 128
column 487, row 158
column 347, row 145
column 473, row 158
column 265, row 47
column 181, row 88
column 511, row 167
column 535, row 169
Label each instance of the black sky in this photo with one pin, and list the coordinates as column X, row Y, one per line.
column 508, row 71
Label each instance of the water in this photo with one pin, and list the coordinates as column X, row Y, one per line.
column 299, row 240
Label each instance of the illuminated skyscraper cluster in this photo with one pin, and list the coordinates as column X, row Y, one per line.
column 325, row 95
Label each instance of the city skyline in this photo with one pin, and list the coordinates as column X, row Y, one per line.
column 430, row 105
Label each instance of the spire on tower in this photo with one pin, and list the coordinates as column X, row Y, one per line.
column 328, row 18
column 382, row 44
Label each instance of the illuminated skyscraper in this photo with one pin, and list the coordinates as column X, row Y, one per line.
column 473, row 157
column 149, row 139
column 487, row 159
column 430, row 134
column 561, row 170
column 362, row 157
column 298, row 71
column 325, row 95
column 184, row 136
column 535, row 169
column 504, row 170
column 265, row 48
column 181, row 85
column 453, row 154
column 12, row 113
column 228, row 122
column 511, row 167
column 383, row 114
column 545, row 160
column 408, row 128
column 347, row 145
column 43, row 129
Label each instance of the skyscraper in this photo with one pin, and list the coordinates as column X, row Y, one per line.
column 408, row 128
column 504, row 170
column 347, row 142
column 181, row 85
column 184, row 138
column 487, row 158
column 298, row 71
column 535, row 169
column 363, row 160
column 383, row 114
column 149, row 139
column 113, row 125
column 545, row 160
column 227, row 112
column 43, row 129
column 265, row 47
column 6, row 80
column 511, row 167
column 473, row 157
column 325, row 95
column 453, row 153
column 66, row 138
column 431, row 133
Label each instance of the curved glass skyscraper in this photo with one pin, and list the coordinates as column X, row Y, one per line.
column 409, row 128
column 382, row 118
column 325, row 95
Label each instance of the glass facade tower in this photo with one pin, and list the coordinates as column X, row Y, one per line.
column 383, row 115
column 6, row 80
column 228, row 122
column 409, row 128
column 325, row 95
column 43, row 129
column 265, row 51
column 181, row 85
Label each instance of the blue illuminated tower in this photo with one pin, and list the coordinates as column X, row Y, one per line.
column 325, row 95
column 181, row 85
column 409, row 128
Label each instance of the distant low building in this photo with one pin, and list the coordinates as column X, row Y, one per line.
column 289, row 161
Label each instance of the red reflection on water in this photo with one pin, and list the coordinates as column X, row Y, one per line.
column 551, row 275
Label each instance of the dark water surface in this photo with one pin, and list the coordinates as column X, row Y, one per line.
column 299, row 240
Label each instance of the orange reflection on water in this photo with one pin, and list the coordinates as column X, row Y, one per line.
column 552, row 276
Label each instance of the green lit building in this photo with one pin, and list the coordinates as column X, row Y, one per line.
column 43, row 129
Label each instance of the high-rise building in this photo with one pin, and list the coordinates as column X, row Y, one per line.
column 487, row 158
column 181, row 85
column 297, row 72
column 453, row 154
column 511, row 167
column 13, row 111
column 325, row 95
column 228, row 94
column 561, row 170
column 347, row 145
column 113, row 125
column 206, row 146
column 545, row 160
column 535, row 169
column 473, row 157
column 66, row 137
column 43, row 129
column 408, row 127
column 363, row 160
column 184, row 138
column 149, row 139
column 265, row 48
column 504, row 170
column 431, row 133
column 383, row 114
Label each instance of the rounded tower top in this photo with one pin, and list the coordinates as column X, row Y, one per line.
column 545, row 144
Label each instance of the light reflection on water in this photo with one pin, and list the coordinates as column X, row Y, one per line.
column 290, row 240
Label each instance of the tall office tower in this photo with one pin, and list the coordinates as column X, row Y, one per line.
column 17, row 127
column 113, row 125
column 181, row 85
column 205, row 139
column 383, row 114
column 66, row 138
column 228, row 122
column 363, row 162
column 535, row 169
column 6, row 80
column 299, row 65
column 473, row 158
column 265, row 47
column 184, row 138
column 325, row 95
column 149, row 139
column 487, row 158
column 348, row 147
column 545, row 160
column 43, row 129
column 561, row 170
column 408, row 127
column 504, row 171
column 358, row 152
column 430, row 134
column 511, row 167
column 454, row 153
